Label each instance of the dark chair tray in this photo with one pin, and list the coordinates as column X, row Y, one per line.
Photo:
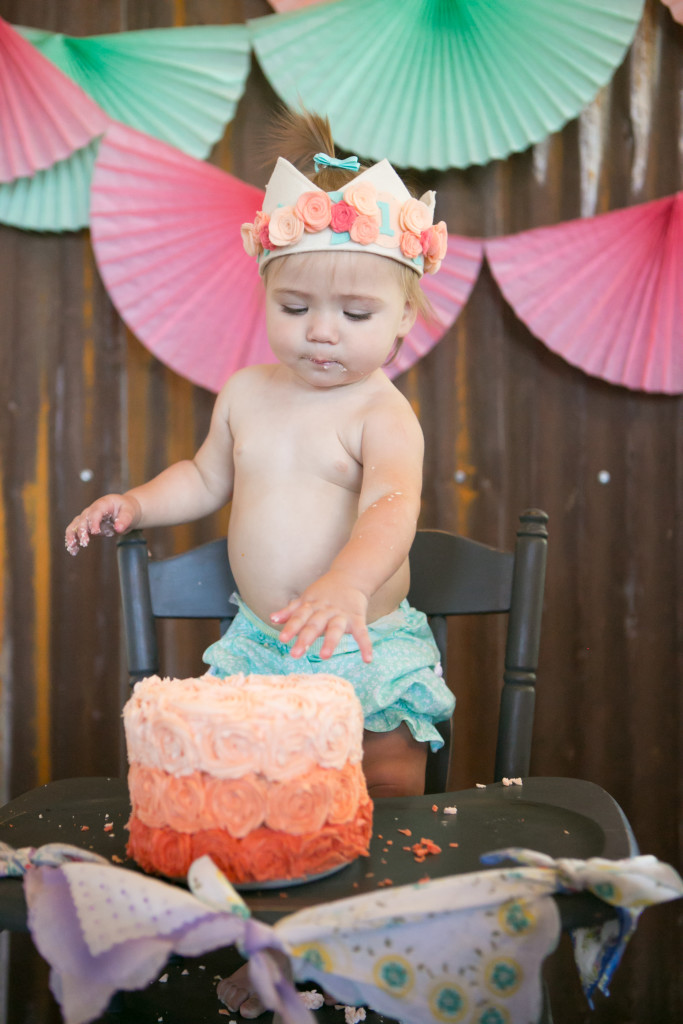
column 548, row 814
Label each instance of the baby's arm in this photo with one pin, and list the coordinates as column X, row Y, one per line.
column 185, row 491
column 389, row 506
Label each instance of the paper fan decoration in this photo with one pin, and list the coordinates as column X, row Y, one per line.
column 166, row 234
column 605, row 293
column 433, row 84
column 448, row 291
column 181, row 85
column 676, row 8
column 293, row 5
column 44, row 117
column 57, row 199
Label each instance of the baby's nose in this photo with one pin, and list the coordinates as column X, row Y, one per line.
column 322, row 328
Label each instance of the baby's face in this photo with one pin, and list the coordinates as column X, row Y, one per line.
column 333, row 318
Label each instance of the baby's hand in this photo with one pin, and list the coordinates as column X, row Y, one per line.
column 329, row 608
column 112, row 514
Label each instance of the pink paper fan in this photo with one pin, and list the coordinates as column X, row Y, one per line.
column 605, row 293
column 166, row 234
column 44, row 116
column 292, row 5
column 447, row 291
column 676, row 8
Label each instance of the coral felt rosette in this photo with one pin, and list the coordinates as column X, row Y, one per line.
column 261, row 772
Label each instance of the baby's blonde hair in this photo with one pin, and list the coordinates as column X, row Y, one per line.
column 298, row 136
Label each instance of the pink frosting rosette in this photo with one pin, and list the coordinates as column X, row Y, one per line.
column 285, row 226
column 168, row 743
column 365, row 229
column 230, row 750
column 363, row 196
column 299, row 806
column 342, row 217
column 288, row 752
column 339, row 741
column 238, row 806
column 298, row 698
column 315, row 210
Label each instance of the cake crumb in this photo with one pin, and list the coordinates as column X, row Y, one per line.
column 435, row 808
column 353, row 1014
column 450, row 810
column 405, row 831
column 454, row 844
column 479, row 785
column 312, row 999
column 117, row 860
column 184, row 972
column 109, row 827
column 85, row 828
column 163, row 978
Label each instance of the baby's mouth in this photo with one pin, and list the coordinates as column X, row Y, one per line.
column 325, row 364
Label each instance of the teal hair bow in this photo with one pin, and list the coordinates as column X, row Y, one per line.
column 351, row 163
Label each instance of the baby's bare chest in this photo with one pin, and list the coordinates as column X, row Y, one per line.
column 285, row 444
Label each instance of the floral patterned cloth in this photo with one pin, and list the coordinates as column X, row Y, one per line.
column 465, row 949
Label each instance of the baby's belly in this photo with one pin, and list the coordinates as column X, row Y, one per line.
column 274, row 558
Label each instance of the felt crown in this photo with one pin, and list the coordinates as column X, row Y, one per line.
column 373, row 213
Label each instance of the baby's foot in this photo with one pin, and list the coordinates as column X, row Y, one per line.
column 237, row 995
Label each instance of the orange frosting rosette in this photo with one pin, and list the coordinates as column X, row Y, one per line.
column 262, row 856
column 147, row 794
column 346, row 794
column 159, row 850
column 238, row 806
column 300, row 805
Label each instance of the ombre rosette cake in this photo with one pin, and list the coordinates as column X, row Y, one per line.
column 263, row 773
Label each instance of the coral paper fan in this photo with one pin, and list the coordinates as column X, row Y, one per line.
column 676, row 8
column 605, row 293
column 429, row 83
column 44, row 116
column 166, row 234
column 180, row 85
column 447, row 292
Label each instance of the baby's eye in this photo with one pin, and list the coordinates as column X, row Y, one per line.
column 294, row 310
column 357, row 316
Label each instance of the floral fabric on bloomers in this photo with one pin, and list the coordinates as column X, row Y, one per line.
column 402, row 683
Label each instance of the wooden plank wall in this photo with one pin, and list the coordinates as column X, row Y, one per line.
column 86, row 410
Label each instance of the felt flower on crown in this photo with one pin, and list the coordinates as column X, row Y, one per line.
column 374, row 212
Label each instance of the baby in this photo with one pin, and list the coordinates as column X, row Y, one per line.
column 321, row 457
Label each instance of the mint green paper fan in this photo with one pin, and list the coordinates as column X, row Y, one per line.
column 181, row 85
column 444, row 83
column 56, row 199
